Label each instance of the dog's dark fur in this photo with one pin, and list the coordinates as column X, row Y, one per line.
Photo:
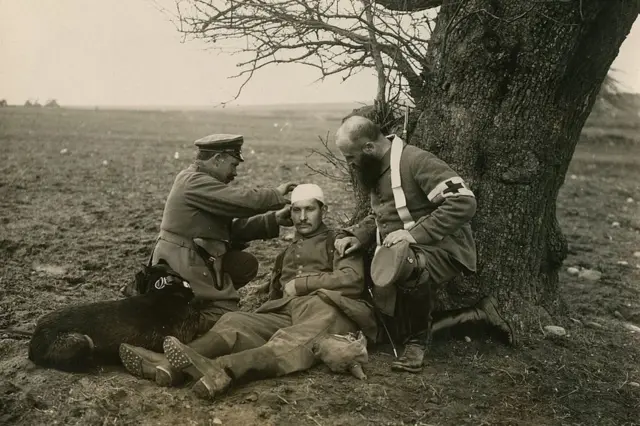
column 80, row 337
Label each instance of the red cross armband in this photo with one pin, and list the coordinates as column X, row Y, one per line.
column 452, row 187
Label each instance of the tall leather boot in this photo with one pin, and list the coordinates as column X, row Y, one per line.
column 210, row 345
column 486, row 310
column 213, row 378
column 146, row 364
column 421, row 312
column 218, row 374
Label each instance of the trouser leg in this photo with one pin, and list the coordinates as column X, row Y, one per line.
column 239, row 331
column 289, row 350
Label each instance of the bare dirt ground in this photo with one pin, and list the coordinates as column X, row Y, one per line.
column 76, row 224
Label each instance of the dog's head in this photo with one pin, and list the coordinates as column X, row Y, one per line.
column 160, row 278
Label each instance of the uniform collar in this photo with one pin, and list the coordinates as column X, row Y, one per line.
column 321, row 230
column 200, row 166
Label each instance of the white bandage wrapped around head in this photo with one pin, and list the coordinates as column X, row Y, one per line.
column 307, row 191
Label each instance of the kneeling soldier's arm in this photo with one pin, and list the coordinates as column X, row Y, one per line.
column 206, row 193
column 347, row 277
column 262, row 226
column 456, row 202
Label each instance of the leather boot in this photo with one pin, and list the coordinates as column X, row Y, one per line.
column 211, row 345
column 149, row 365
column 214, row 379
column 412, row 358
column 488, row 310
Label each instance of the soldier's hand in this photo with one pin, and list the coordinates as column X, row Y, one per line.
column 346, row 245
column 283, row 216
column 397, row 236
column 286, row 188
column 289, row 288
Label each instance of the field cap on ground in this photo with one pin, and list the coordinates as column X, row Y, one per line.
column 220, row 142
column 307, row 191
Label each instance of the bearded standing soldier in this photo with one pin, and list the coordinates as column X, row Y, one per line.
column 205, row 226
column 421, row 227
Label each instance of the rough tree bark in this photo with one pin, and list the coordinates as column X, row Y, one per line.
column 510, row 87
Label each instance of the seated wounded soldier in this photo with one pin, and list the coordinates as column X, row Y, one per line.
column 312, row 294
column 421, row 227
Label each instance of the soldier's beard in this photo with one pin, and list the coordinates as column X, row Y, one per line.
column 368, row 172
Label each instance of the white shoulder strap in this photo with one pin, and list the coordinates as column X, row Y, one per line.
column 396, row 185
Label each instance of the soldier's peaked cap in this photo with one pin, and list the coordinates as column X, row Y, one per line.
column 231, row 144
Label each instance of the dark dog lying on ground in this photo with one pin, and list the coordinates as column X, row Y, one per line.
column 78, row 338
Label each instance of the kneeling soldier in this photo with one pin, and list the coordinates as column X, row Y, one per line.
column 420, row 222
column 205, row 226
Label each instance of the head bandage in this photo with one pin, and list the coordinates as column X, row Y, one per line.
column 307, row 191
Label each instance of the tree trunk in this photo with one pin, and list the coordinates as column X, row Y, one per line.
column 511, row 86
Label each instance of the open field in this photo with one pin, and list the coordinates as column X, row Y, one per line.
column 75, row 226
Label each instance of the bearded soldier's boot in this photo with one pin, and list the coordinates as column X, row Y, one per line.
column 149, row 365
column 486, row 310
column 412, row 358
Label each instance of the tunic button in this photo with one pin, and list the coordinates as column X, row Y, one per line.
column 204, row 273
column 384, row 225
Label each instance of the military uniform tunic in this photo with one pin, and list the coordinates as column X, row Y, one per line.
column 200, row 206
column 441, row 205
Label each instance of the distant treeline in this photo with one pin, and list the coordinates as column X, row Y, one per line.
column 51, row 103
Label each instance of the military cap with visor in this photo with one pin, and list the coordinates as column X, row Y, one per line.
column 223, row 143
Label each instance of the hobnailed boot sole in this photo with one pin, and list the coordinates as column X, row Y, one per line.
column 136, row 364
column 214, row 379
column 174, row 353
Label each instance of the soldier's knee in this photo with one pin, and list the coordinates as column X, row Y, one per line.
column 229, row 318
column 241, row 266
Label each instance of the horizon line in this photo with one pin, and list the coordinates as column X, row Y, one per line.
column 207, row 106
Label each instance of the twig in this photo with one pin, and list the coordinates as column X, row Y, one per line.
column 285, row 401
column 573, row 391
column 505, row 372
column 626, row 380
column 314, row 420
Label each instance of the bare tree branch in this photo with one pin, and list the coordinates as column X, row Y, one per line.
column 332, row 36
column 375, row 53
column 409, row 5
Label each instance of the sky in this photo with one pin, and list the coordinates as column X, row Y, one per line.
column 128, row 53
